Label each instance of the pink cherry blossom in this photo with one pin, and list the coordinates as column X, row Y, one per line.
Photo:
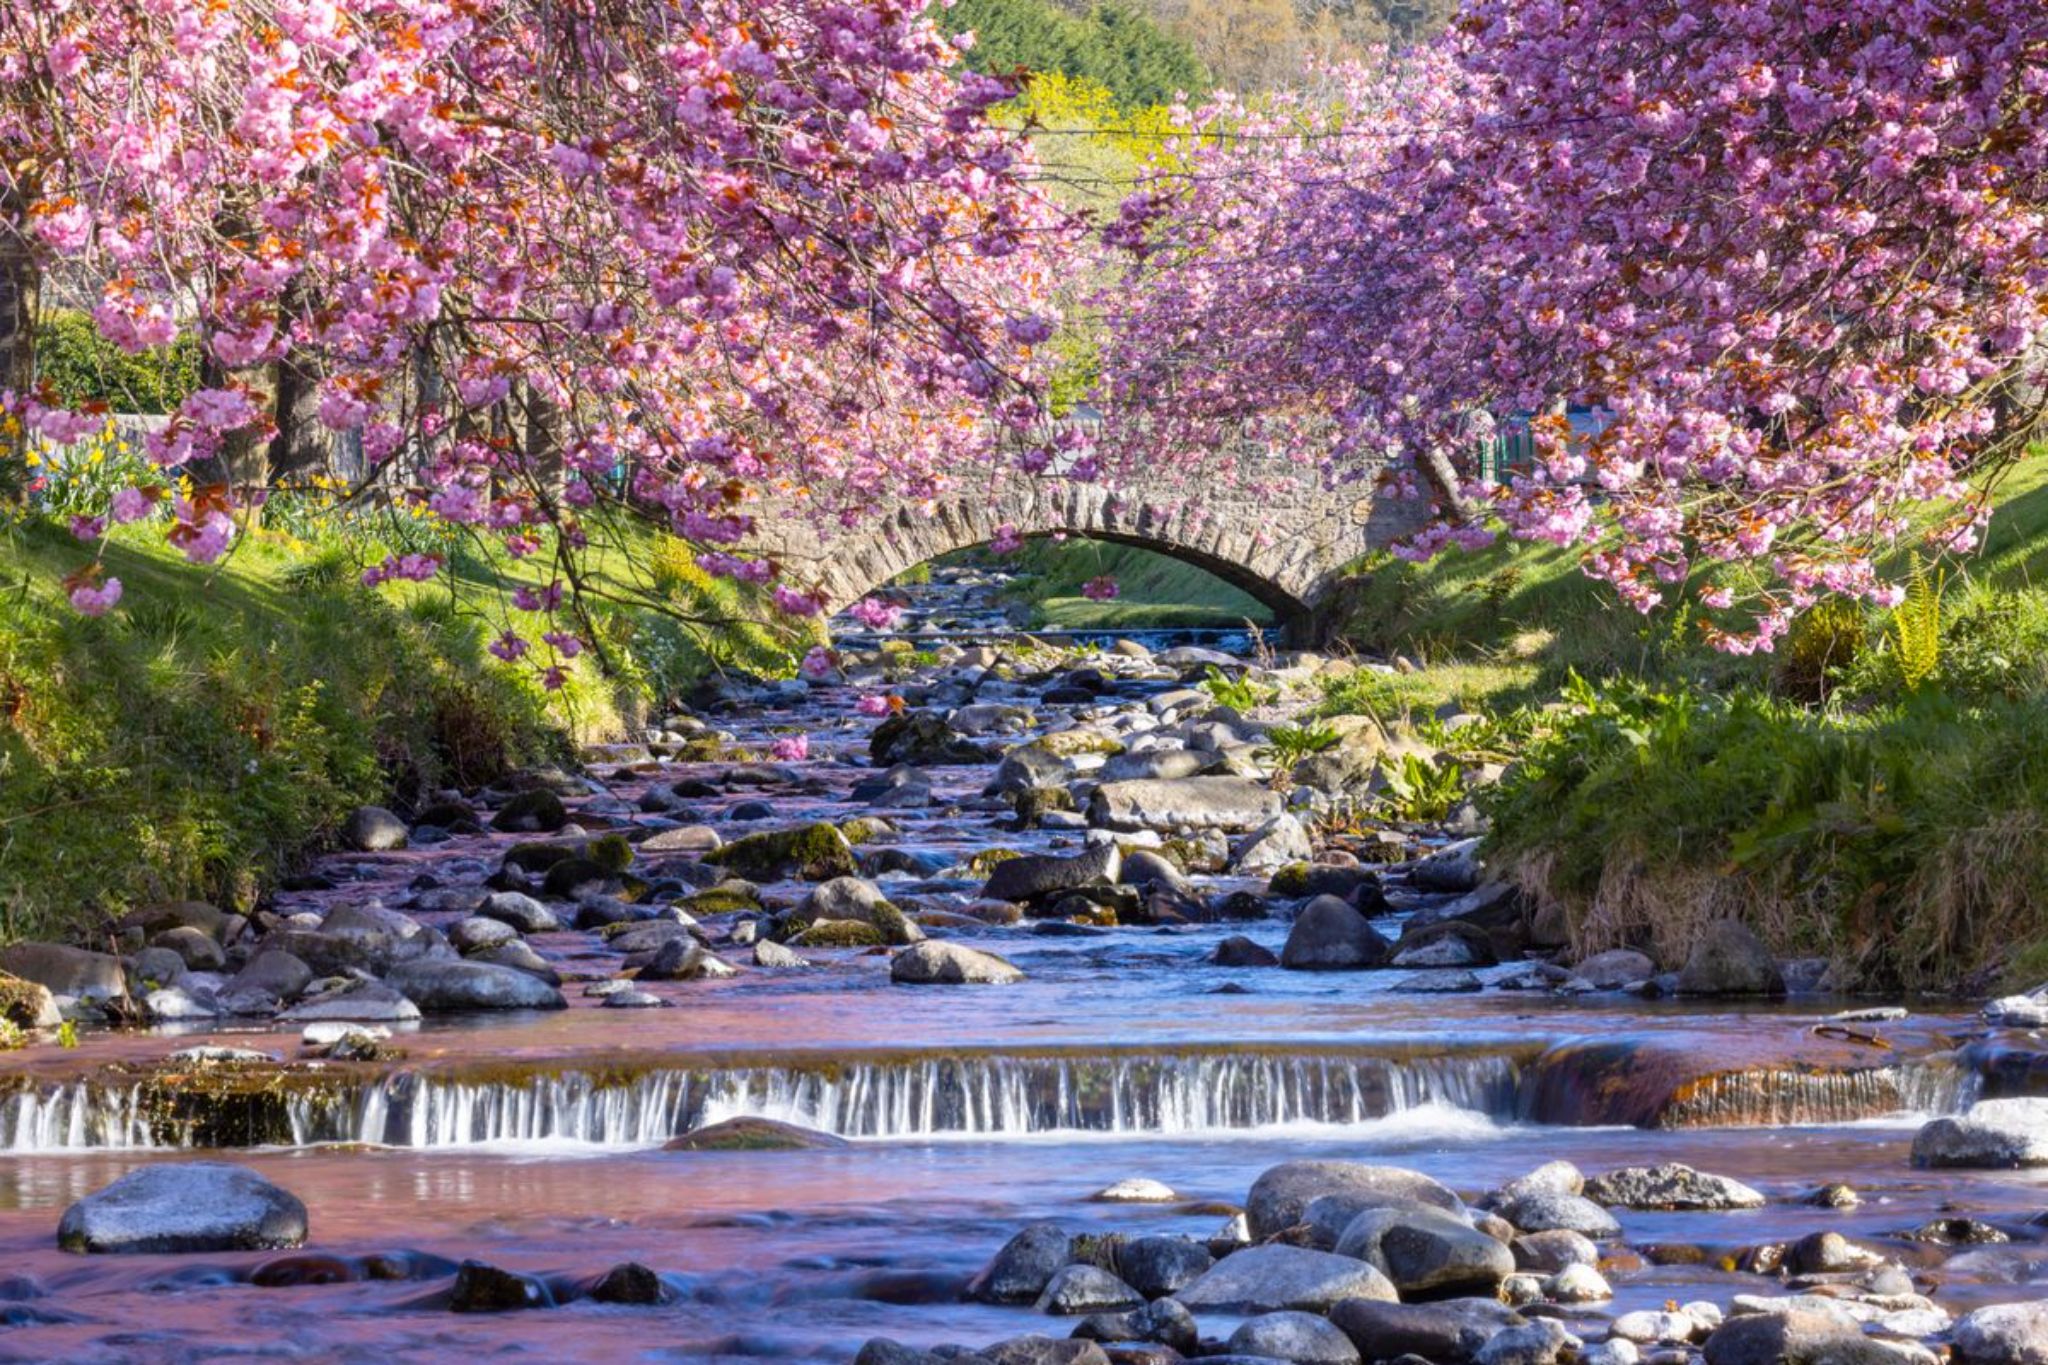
column 91, row 601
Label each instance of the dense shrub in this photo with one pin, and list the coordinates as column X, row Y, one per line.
column 85, row 368
column 1905, row 842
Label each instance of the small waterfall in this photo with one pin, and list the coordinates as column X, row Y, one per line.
column 1774, row 1097
column 993, row 1094
column 78, row 1115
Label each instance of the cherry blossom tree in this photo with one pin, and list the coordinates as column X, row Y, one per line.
column 1795, row 248
column 536, row 255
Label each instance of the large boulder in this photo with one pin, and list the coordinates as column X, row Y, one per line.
column 2003, row 1334
column 949, row 964
column 1615, row 968
column 1225, row 803
column 1670, row 1186
column 1276, row 1277
column 183, row 1206
column 1727, row 959
column 1426, row 1251
column 539, row 811
column 1299, row 1338
column 1989, row 1135
column 64, row 970
column 1281, row 1195
column 1450, row 1332
column 1330, row 936
column 372, row 829
column 447, row 986
column 1037, row 875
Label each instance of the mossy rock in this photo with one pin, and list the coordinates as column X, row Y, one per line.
column 840, row 933
column 815, row 853
column 445, row 814
column 25, row 1004
column 1069, row 743
column 1290, row 881
column 1192, row 856
column 700, row 751
column 984, row 862
column 895, row 926
column 719, row 901
column 1032, row 803
column 610, row 852
column 865, row 829
column 539, row 811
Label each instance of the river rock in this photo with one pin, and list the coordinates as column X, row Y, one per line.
column 1135, row 1191
column 185, row 1206
column 1275, row 1277
column 519, row 910
column 1670, row 1186
column 1077, row 1289
column 1162, row 1264
column 768, row 953
column 372, row 829
column 1615, row 968
column 949, row 964
column 1155, row 765
column 1223, row 803
column 923, row 738
column 477, row 933
column 1648, row 1327
column 1281, row 1195
column 1805, row 1335
column 453, row 985
column 1037, row 875
column 1426, row 1251
column 1539, row 1342
column 66, row 971
column 1579, row 1284
column 539, row 811
column 482, row 1288
column 370, row 1002
column 1547, row 1210
column 1302, row 1338
column 1558, row 1177
column 816, row 852
column 1450, row 1332
column 1989, row 1135
column 629, row 1282
column 28, row 1004
column 1728, row 959
column 2003, row 1334
column 196, row 949
column 1273, row 845
column 1023, row 1268
column 1329, row 935
column 1239, row 951
column 1036, row 1350
column 1546, row 1253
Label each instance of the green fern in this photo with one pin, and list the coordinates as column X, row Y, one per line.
column 1916, row 626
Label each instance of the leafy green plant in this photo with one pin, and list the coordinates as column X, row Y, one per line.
column 12, row 1036
column 1822, row 645
column 1421, row 791
column 67, row 1034
column 1289, row 744
column 1240, row 694
column 1916, row 626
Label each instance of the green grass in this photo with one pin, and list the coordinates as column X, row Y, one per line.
column 1154, row 590
column 200, row 740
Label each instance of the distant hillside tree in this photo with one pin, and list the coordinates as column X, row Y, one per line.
column 1117, row 48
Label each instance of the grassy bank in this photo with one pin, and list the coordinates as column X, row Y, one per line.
column 202, row 738
column 1153, row 590
column 1872, row 792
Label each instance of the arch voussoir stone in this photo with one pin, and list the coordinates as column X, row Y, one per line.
column 1286, row 548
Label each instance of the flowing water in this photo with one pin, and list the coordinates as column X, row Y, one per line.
column 535, row 1141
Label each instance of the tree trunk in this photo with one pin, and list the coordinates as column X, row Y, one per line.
column 302, row 445
column 1436, row 467
column 20, row 281
column 545, row 423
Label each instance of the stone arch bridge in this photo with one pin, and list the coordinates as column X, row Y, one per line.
column 1286, row 549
